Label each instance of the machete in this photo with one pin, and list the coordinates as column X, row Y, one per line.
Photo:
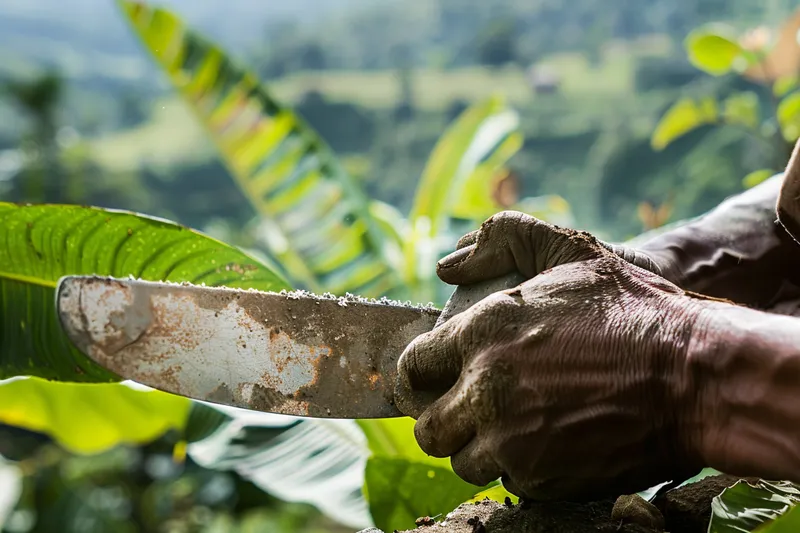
column 293, row 353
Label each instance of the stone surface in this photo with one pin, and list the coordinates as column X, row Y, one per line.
column 633, row 509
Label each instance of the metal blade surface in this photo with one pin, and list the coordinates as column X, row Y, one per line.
column 292, row 353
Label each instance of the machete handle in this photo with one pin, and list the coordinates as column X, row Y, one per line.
column 465, row 296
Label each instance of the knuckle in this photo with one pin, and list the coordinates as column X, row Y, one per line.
column 491, row 305
column 407, row 362
column 482, row 395
column 426, row 432
column 467, row 239
column 422, row 432
column 490, row 316
column 478, row 467
column 502, row 221
column 512, row 217
column 410, row 372
column 487, row 392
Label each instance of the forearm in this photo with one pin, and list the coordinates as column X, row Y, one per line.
column 746, row 364
column 737, row 251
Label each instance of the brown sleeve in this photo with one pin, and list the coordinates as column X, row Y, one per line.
column 737, row 251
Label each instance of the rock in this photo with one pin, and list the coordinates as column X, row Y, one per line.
column 633, row 509
column 688, row 508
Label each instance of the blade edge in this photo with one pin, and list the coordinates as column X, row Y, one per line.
column 318, row 356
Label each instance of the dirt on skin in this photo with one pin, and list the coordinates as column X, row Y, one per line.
column 685, row 510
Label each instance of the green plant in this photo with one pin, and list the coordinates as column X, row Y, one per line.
column 769, row 112
column 468, row 157
column 773, row 71
column 325, row 235
column 754, row 507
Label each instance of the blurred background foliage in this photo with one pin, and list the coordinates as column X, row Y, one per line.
column 615, row 117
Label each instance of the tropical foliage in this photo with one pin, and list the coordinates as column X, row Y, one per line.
column 318, row 230
column 323, row 233
column 769, row 112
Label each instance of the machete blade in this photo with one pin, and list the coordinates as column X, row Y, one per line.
column 291, row 353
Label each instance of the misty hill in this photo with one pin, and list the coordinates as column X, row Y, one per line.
column 86, row 37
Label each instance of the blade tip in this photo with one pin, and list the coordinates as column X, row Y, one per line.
column 86, row 305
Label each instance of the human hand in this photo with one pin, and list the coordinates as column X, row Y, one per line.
column 511, row 240
column 573, row 385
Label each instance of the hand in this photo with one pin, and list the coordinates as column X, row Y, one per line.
column 511, row 241
column 573, row 385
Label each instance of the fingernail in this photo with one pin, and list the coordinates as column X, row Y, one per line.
column 456, row 257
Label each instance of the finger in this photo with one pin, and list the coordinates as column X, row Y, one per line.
column 447, row 425
column 511, row 486
column 430, row 364
column 475, row 464
column 467, row 239
column 483, row 254
column 511, row 241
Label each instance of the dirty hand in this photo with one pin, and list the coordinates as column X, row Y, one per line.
column 573, row 385
column 511, row 240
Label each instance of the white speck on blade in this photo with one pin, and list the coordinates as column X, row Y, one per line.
column 342, row 361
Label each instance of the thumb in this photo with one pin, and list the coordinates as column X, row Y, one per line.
column 512, row 241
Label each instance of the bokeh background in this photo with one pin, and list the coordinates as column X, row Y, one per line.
column 86, row 117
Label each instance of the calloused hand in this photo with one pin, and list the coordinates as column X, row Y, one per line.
column 511, row 240
column 573, row 385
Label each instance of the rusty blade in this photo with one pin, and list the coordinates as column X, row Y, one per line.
column 291, row 353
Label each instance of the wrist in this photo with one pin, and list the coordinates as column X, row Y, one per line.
column 743, row 397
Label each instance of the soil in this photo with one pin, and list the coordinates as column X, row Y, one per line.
column 685, row 510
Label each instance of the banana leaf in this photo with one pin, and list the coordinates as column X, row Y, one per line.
column 284, row 168
column 748, row 507
column 315, row 461
column 457, row 178
column 41, row 243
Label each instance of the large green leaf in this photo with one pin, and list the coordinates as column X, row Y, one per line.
column 312, row 461
column 284, row 168
column 394, row 437
column 402, row 482
column 90, row 418
column 743, row 507
column 786, row 523
column 320, row 462
column 684, row 116
column 713, row 49
column 399, row 491
column 41, row 243
column 464, row 159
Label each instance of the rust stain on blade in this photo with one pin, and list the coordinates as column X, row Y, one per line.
column 290, row 353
